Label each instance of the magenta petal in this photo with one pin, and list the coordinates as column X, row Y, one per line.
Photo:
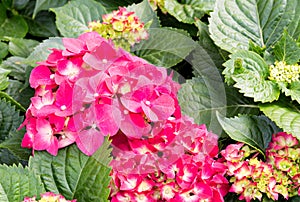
column 40, row 75
column 108, row 118
column 73, row 45
column 161, row 108
column 89, row 141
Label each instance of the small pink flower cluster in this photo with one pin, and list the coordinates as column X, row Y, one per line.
column 48, row 197
column 179, row 164
column 122, row 26
column 279, row 175
column 91, row 90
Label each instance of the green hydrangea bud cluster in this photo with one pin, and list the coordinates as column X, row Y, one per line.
column 281, row 72
column 123, row 27
column 278, row 176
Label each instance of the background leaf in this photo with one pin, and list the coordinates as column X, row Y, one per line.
column 174, row 45
column 215, row 53
column 199, row 100
column 46, row 4
column 3, row 50
column 15, row 27
column 145, row 13
column 287, row 118
column 17, row 182
column 74, row 174
column 43, row 25
column 286, row 49
column 13, row 144
column 187, row 10
column 234, row 22
column 255, row 131
column 72, row 19
column 114, row 5
column 21, row 47
column 250, row 74
column 292, row 89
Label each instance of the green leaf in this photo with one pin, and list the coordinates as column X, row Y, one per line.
column 13, row 144
column 46, row 4
column 17, row 182
column 255, row 131
column 145, row 13
column 20, row 93
column 217, row 55
column 250, row 74
column 4, row 78
column 43, row 25
column 292, row 89
column 201, row 98
column 73, row 174
column 285, row 117
column 16, row 67
column 15, row 27
column 3, row 50
column 20, row 4
column 188, row 10
column 10, row 119
column 72, row 19
column 234, row 23
column 42, row 51
column 114, row 5
column 286, row 49
column 174, row 45
column 21, row 47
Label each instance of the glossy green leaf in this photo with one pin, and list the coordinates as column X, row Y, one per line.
column 286, row 49
column 74, row 174
column 42, row 51
column 72, row 19
column 249, row 73
column 186, row 11
column 287, row 118
column 3, row 50
column 174, row 45
column 15, row 27
column 17, row 182
column 43, row 25
column 145, row 13
column 255, row 131
column 46, row 4
column 234, row 23
column 21, row 47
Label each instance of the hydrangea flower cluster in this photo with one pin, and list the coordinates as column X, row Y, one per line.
column 278, row 176
column 48, row 197
column 122, row 26
column 178, row 164
column 281, row 72
column 91, row 90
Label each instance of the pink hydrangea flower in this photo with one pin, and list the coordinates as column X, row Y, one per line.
column 173, row 171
